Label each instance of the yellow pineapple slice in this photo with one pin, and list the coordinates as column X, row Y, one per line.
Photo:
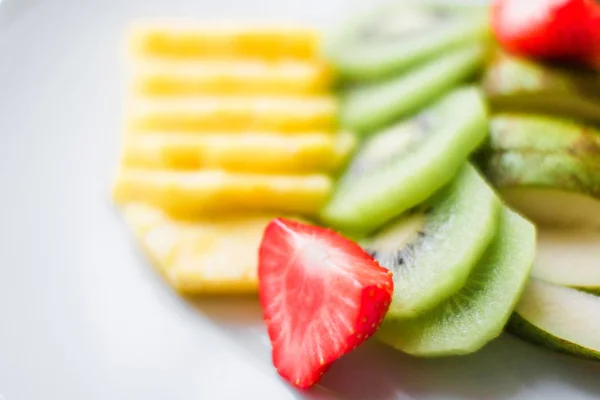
column 233, row 113
column 188, row 194
column 225, row 39
column 245, row 152
column 208, row 256
column 166, row 78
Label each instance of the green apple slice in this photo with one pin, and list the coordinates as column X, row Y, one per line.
column 544, row 134
column 513, row 83
column 569, row 257
column 551, row 189
column 560, row 318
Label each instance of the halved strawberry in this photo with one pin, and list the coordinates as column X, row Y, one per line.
column 548, row 29
column 321, row 294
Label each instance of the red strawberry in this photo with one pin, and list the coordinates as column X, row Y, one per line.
column 321, row 295
column 594, row 59
column 548, row 29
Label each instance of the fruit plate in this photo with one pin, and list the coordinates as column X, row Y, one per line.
column 83, row 315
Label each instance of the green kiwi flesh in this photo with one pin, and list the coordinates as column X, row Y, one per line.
column 366, row 108
column 476, row 314
column 401, row 166
column 560, row 318
column 397, row 37
column 432, row 250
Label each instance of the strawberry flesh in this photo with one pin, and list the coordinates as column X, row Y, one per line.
column 321, row 295
column 564, row 30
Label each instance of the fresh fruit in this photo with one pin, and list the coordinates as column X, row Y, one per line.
column 168, row 78
column 554, row 207
column 368, row 107
column 394, row 38
column 432, row 249
column 205, row 192
column 550, row 29
column 551, row 189
column 233, row 113
column 559, row 318
column 245, row 152
column 403, row 165
column 208, row 256
column 477, row 313
column 321, row 295
column 517, row 84
column 544, row 134
column 224, row 40
column 569, row 257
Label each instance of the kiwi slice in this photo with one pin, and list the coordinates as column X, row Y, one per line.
column 540, row 134
column 366, row 108
column 477, row 313
column 403, row 165
column 432, row 249
column 569, row 257
column 517, row 84
column 560, row 318
column 396, row 37
column 551, row 189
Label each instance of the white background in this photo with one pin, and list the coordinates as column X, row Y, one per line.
column 83, row 317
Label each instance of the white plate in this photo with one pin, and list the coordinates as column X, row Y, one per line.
column 82, row 315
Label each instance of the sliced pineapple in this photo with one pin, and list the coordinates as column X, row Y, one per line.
column 226, row 39
column 229, row 125
column 166, row 78
column 210, row 256
column 233, row 113
column 246, row 152
column 205, row 192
